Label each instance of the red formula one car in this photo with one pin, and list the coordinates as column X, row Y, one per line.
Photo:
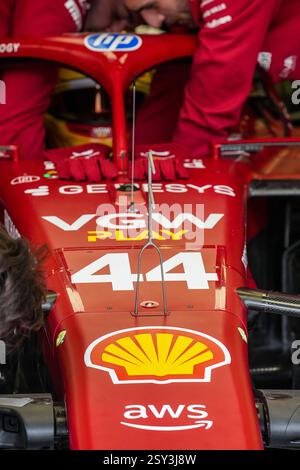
column 149, row 349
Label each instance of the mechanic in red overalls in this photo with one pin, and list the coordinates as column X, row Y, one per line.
column 233, row 34
column 28, row 87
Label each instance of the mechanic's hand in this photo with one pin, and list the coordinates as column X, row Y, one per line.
column 83, row 162
column 168, row 162
column 107, row 15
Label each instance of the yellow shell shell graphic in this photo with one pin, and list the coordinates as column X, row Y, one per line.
column 157, row 354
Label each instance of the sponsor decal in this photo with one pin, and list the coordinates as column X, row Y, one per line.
column 24, row 179
column 75, row 13
column 290, row 64
column 219, row 22
column 86, row 154
column 50, row 170
column 203, row 3
column 125, row 221
column 243, row 334
column 103, row 132
column 61, row 338
column 166, row 417
column 195, row 163
column 113, row 42
column 38, row 192
column 51, row 175
column 134, row 227
column 49, row 165
column 9, row 48
column 174, row 188
column 177, row 188
column 69, row 190
column 265, row 60
column 123, row 236
column 160, row 355
column 214, row 10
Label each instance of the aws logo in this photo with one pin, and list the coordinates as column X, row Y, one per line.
column 166, row 417
column 160, row 355
column 113, row 42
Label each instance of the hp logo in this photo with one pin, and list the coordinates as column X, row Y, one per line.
column 113, row 42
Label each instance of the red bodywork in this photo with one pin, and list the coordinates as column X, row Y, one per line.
column 197, row 398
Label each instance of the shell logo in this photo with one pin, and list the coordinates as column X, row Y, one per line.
column 157, row 355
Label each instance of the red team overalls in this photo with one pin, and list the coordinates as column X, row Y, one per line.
column 233, row 36
column 28, row 88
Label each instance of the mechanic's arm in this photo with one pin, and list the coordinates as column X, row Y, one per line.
column 223, row 70
column 106, row 15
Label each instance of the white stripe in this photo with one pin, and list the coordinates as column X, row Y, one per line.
column 75, row 12
column 216, row 9
column 219, row 22
column 205, row 2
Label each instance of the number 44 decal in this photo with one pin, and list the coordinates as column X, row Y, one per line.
column 122, row 279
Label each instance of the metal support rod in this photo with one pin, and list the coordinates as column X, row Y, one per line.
column 132, row 208
column 150, row 243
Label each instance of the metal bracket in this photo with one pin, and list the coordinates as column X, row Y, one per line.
column 150, row 242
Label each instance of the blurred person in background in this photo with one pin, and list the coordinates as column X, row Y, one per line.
column 22, row 289
column 29, row 85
